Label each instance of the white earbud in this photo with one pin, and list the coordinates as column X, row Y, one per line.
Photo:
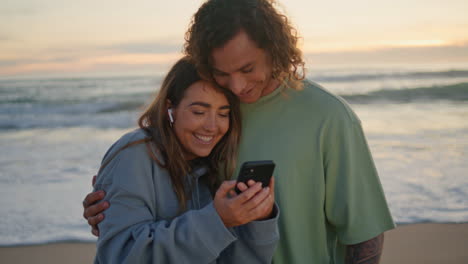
column 171, row 118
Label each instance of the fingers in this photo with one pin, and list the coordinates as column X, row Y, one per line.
column 225, row 188
column 95, row 231
column 232, row 193
column 94, row 216
column 266, row 192
column 253, row 203
column 261, row 205
column 95, row 209
column 251, row 182
column 267, row 205
column 93, row 221
column 92, row 209
column 244, row 186
column 257, row 199
column 264, row 209
column 249, row 193
column 272, row 186
column 241, row 186
column 92, row 198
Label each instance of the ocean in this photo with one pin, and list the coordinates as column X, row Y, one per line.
column 54, row 132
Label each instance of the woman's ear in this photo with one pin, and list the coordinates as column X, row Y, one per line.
column 168, row 104
column 169, row 112
column 171, row 117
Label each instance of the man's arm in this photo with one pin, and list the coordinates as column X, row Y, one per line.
column 367, row 252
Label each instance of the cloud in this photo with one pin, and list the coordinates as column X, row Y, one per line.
column 88, row 64
column 92, row 58
column 147, row 47
column 8, row 63
column 22, row 61
column 425, row 54
column 18, row 11
column 6, row 38
column 147, row 56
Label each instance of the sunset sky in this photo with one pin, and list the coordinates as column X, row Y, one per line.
column 95, row 38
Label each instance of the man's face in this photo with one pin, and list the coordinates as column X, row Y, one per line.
column 243, row 68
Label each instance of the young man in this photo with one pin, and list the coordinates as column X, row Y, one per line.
column 332, row 202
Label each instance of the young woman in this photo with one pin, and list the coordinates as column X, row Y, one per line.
column 170, row 203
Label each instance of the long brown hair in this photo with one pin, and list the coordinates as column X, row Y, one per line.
column 222, row 159
column 218, row 21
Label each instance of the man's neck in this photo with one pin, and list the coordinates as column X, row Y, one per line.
column 273, row 84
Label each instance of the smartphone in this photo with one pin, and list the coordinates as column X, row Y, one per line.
column 259, row 171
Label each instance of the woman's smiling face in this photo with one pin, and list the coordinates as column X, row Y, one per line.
column 201, row 119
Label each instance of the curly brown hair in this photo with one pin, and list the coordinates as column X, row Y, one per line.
column 218, row 21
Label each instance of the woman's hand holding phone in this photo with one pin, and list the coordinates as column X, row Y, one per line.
column 271, row 202
column 253, row 203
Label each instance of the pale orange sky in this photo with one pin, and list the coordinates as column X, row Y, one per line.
column 52, row 37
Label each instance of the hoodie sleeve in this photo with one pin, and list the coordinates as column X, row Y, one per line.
column 256, row 241
column 131, row 232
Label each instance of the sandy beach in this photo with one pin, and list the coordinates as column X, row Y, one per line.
column 417, row 243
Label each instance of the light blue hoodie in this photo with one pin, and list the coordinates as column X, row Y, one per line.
column 142, row 224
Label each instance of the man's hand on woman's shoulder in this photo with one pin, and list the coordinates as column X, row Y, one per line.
column 94, row 206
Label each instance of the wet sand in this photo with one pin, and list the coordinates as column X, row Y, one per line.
column 416, row 243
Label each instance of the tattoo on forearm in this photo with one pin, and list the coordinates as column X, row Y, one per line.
column 366, row 252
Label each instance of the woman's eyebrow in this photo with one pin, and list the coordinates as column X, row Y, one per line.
column 200, row 104
column 203, row 104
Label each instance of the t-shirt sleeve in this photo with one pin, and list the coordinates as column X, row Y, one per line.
column 355, row 203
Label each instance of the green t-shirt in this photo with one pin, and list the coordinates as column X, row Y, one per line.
column 327, row 185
